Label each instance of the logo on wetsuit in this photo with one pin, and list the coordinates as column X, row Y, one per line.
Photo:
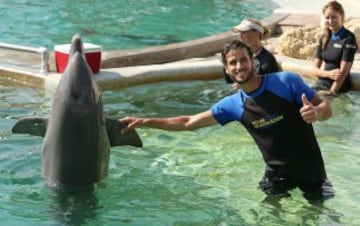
column 350, row 46
column 267, row 121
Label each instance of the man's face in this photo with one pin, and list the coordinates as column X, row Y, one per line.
column 239, row 66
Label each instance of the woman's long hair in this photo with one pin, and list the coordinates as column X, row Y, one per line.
column 336, row 6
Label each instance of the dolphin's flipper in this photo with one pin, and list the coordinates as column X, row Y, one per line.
column 118, row 138
column 31, row 125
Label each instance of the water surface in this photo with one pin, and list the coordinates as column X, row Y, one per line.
column 204, row 177
column 122, row 24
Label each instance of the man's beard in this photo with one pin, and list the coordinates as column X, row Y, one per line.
column 251, row 74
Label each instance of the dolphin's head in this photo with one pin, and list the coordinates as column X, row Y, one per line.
column 76, row 45
column 77, row 84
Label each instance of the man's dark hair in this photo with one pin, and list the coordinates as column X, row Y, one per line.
column 236, row 44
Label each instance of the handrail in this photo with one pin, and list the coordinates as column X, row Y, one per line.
column 44, row 53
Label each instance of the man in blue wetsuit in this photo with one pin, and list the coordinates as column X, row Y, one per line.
column 278, row 111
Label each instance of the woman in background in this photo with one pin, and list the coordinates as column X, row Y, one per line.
column 336, row 48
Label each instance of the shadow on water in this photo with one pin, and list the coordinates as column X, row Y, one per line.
column 74, row 205
column 310, row 213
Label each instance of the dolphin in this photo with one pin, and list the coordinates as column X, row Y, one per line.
column 77, row 136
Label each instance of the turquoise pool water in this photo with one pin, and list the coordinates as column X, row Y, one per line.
column 207, row 177
column 121, row 24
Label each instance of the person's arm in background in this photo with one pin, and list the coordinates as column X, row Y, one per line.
column 348, row 54
column 320, row 73
column 340, row 76
column 317, row 71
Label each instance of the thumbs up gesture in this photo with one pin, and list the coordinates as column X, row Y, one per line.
column 308, row 111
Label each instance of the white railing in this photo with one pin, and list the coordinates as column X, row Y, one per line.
column 44, row 53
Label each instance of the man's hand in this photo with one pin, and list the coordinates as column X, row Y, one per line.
column 308, row 111
column 131, row 122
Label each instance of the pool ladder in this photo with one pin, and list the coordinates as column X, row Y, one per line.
column 44, row 53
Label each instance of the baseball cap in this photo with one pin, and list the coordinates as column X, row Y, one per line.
column 247, row 25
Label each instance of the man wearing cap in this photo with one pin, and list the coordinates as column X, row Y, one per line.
column 252, row 33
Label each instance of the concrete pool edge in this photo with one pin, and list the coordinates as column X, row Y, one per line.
column 184, row 64
column 191, row 69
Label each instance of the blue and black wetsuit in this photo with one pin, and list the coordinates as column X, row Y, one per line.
column 342, row 46
column 271, row 116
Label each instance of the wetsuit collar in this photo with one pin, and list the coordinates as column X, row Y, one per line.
column 258, row 90
column 337, row 36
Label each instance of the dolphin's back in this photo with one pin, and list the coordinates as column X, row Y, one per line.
column 75, row 149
